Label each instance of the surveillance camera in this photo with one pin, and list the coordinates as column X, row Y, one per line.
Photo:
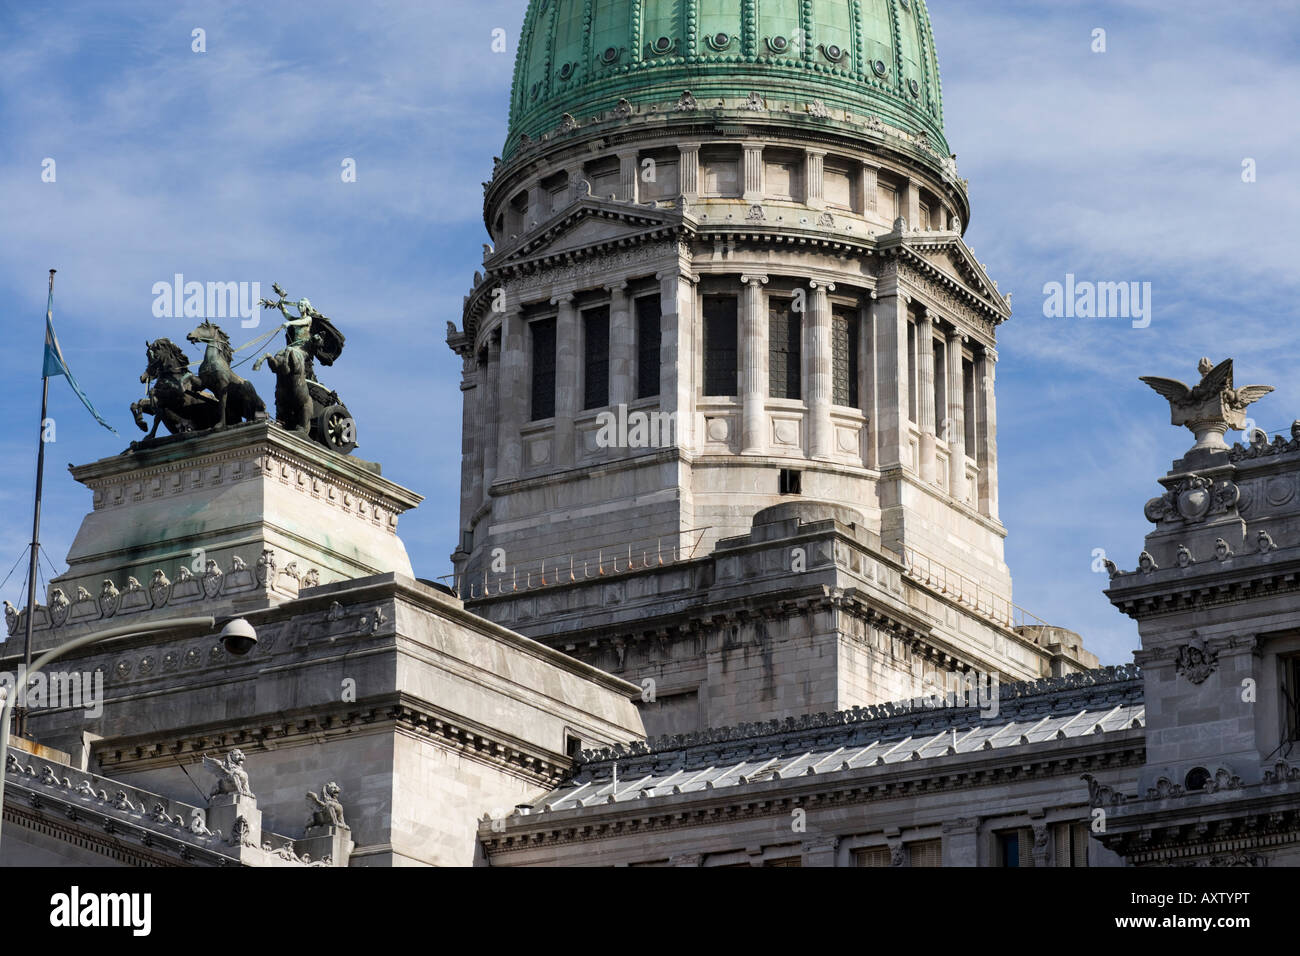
column 238, row 637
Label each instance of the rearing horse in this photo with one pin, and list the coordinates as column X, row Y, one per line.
column 176, row 397
column 239, row 400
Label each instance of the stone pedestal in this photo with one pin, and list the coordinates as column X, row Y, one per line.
column 334, row 842
column 225, row 808
column 221, row 522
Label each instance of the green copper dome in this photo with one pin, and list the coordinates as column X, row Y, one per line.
column 869, row 57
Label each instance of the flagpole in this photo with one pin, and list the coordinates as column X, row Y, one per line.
column 20, row 713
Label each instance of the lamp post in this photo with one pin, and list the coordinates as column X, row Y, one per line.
column 232, row 630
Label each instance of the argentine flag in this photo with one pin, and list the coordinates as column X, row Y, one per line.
column 55, row 364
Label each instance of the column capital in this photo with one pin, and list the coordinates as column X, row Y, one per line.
column 676, row 274
column 564, row 298
column 821, row 285
column 990, row 354
column 616, row 287
column 933, row 317
column 747, row 279
column 815, row 152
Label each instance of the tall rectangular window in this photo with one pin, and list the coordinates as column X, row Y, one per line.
column 925, row 853
column 595, row 330
column 543, row 336
column 1071, row 840
column 784, row 350
column 648, row 342
column 720, row 346
column 1291, row 695
column 844, row 357
column 871, row 856
column 1015, row 848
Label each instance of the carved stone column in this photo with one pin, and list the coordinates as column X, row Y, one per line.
column 925, row 397
column 985, row 380
column 753, row 172
column 955, row 424
column 627, row 170
column 689, row 170
column 753, row 366
column 568, row 395
column 815, row 186
column 491, row 426
column 821, row 432
column 622, row 346
column 513, row 396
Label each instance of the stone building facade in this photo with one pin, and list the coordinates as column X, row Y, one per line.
column 729, row 588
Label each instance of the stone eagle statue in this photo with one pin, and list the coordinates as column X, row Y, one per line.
column 1212, row 406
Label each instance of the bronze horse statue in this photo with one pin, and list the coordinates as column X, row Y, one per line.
column 238, row 399
column 176, row 398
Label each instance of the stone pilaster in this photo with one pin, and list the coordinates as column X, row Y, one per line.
column 753, row 172
column 819, row 851
column 622, row 346
column 815, row 179
column 491, row 398
column 870, row 189
column 961, row 842
column 821, row 438
column 986, row 363
column 955, row 424
column 912, row 206
column 892, row 385
column 568, row 384
column 472, row 386
column 925, row 397
column 867, row 396
column 628, row 178
column 689, row 170
column 753, row 366
column 513, row 394
column 677, row 352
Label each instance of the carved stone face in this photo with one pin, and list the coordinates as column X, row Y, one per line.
column 237, row 757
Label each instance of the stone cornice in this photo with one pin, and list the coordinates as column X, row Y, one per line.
column 1143, row 595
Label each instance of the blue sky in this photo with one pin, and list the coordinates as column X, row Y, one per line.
column 225, row 166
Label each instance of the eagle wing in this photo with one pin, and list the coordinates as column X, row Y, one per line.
column 1252, row 393
column 1216, row 379
column 1172, row 389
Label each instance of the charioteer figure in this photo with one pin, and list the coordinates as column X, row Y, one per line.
column 302, row 404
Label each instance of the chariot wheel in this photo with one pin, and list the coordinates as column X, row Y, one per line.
column 336, row 429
